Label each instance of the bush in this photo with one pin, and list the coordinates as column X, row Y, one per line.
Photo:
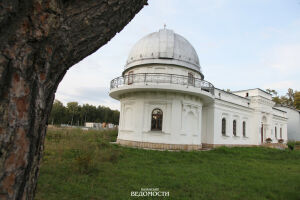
column 291, row 145
column 268, row 140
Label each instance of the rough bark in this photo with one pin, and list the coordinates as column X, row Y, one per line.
column 39, row 41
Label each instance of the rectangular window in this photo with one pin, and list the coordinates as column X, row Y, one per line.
column 234, row 127
column 223, row 126
column 191, row 79
column 130, row 77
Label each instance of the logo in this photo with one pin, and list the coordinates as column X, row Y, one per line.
column 150, row 192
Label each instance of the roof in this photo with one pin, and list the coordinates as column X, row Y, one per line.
column 232, row 94
column 278, row 109
column 164, row 47
column 292, row 108
column 253, row 89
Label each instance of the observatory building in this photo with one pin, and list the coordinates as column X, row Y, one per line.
column 167, row 104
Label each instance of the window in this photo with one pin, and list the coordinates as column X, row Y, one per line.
column 223, row 126
column 247, row 94
column 275, row 132
column 130, row 77
column 156, row 121
column 244, row 128
column 280, row 133
column 234, row 127
column 191, row 79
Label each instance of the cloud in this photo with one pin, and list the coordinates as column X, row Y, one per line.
column 281, row 85
column 285, row 58
column 91, row 95
column 270, row 32
column 215, row 28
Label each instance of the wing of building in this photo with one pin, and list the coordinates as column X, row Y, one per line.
column 167, row 104
column 293, row 125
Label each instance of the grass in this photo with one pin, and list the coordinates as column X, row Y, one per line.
column 84, row 165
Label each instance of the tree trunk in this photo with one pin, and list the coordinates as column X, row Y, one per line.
column 39, row 41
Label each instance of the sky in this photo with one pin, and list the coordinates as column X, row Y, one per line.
column 241, row 45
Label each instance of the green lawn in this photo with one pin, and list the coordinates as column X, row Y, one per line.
column 83, row 165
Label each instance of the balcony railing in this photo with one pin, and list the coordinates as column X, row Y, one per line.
column 160, row 78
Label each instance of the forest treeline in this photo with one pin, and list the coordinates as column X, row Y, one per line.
column 75, row 114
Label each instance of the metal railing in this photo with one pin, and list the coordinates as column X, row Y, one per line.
column 159, row 78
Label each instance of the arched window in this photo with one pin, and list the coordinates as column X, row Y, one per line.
column 156, row 120
column 275, row 132
column 234, row 127
column 244, row 128
column 223, row 126
column 280, row 133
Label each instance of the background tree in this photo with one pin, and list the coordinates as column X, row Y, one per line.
column 272, row 92
column 39, row 41
column 277, row 100
column 58, row 113
column 75, row 114
column 286, row 100
column 290, row 96
column 297, row 100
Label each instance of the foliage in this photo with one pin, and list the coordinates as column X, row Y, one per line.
column 222, row 173
column 75, row 114
column 268, row 140
column 291, row 99
column 297, row 100
column 272, row 92
column 281, row 140
column 291, row 145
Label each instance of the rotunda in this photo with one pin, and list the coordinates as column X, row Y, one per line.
column 162, row 92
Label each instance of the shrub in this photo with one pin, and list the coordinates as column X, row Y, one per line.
column 268, row 140
column 280, row 140
column 291, row 145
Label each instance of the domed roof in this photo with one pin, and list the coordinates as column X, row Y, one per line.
column 164, row 47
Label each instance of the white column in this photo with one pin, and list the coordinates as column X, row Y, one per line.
column 200, row 123
column 176, row 117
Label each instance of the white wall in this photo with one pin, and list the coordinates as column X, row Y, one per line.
column 192, row 119
column 293, row 126
column 279, row 123
column 255, row 111
column 167, row 69
column 232, row 112
column 182, row 117
column 232, row 98
column 187, row 120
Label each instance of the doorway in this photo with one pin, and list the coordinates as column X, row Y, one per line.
column 263, row 129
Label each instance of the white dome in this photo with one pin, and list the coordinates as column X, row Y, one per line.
column 163, row 47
